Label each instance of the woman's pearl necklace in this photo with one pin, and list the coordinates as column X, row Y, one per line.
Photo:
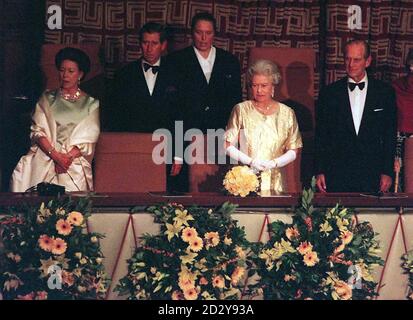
column 70, row 97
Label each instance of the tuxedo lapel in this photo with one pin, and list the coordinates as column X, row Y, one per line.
column 141, row 85
column 160, row 82
column 346, row 111
column 368, row 105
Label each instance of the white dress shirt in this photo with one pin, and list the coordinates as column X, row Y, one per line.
column 357, row 101
column 206, row 64
column 150, row 77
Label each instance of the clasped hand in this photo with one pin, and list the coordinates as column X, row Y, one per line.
column 262, row 165
column 62, row 162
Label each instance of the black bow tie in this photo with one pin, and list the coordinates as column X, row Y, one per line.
column 147, row 66
column 353, row 85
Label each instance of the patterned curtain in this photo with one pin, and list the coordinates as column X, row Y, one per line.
column 243, row 24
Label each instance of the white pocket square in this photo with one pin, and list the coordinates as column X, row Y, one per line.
column 376, row 110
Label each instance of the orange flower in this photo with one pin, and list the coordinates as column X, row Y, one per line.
column 177, row 295
column 75, row 218
column 63, row 227
column 339, row 248
column 305, row 247
column 203, row 281
column 288, row 277
column 342, row 291
column 46, row 243
column 237, row 274
column 292, row 233
column 189, row 234
column 186, row 284
column 196, row 244
column 212, row 238
column 218, row 282
column 191, row 294
column 310, row 259
column 29, row 296
column 68, row 278
column 59, row 247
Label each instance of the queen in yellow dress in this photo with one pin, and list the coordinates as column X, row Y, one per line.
column 262, row 132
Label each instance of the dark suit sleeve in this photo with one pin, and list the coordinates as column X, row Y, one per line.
column 321, row 134
column 389, row 131
column 237, row 90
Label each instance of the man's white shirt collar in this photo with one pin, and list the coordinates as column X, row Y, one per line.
column 206, row 64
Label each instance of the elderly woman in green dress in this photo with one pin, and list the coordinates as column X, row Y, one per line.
column 262, row 132
column 65, row 129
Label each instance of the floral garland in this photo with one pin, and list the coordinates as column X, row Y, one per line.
column 322, row 254
column 199, row 254
column 241, row 181
column 408, row 269
column 48, row 254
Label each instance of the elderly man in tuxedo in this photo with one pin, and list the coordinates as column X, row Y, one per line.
column 355, row 129
column 142, row 99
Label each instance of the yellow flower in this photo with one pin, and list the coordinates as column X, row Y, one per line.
column 182, row 217
column 189, row 234
column 218, row 282
column 45, row 265
column 94, row 239
column 63, row 227
column 227, row 241
column 342, row 291
column 78, row 255
column 99, row 260
column 59, row 246
column 191, row 294
column 286, row 246
column 212, row 238
column 346, row 236
column 75, row 218
column 342, row 224
column 305, row 247
column 365, row 271
column 326, row 228
column 172, row 230
column 83, row 261
column 240, row 252
column 310, row 259
column 189, row 257
column 46, row 243
column 196, row 244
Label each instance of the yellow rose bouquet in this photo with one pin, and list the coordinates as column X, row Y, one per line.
column 241, row 181
column 323, row 254
column 48, row 254
column 200, row 254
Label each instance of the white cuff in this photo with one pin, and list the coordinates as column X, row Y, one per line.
column 285, row 159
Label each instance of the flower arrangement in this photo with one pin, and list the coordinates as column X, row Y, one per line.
column 241, row 180
column 408, row 268
column 199, row 254
column 322, row 254
column 48, row 254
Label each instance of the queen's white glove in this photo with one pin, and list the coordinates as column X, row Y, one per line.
column 283, row 160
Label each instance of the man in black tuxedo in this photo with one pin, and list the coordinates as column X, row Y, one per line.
column 209, row 83
column 142, row 99
column 355, row 129
column 210, row 78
